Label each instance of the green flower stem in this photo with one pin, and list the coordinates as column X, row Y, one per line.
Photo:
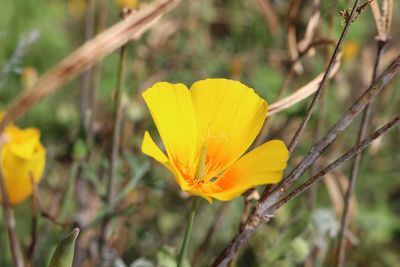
column 188, row 231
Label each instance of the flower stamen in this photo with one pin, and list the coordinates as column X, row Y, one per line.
column 201, row 165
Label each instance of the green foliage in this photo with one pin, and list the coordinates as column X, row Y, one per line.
column 213, row 39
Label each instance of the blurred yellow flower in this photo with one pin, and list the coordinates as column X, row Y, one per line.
column 29, row 77
column 350, row 50
column 77, row 8
column 206, row 130
column 132, row 4
column 22, row 157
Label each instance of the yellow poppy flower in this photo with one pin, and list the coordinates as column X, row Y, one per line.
column 206, row 130
column 133, row 4
column 22, row 156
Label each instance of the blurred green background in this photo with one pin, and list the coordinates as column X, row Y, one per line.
column 200, row 39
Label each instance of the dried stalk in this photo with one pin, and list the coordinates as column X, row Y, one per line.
column 85, row 90
column 10, row 225
column 301, row 93
column 260, row 214
column 34, row 225
column 86, row 56
column 348, row 155
column 115, row 146
column 321, row 88
column 269, row 15
column 341, row 255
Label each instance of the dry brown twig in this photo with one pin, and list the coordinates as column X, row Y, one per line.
column 348, row 155
column 383, row 20
column 312, row 26
column 269, row 15
column 321, row 87
column 383, row 25
column 291, row 35
column 301, row 93
column 9, row 220
column 261, row 213
column 81, row 59
column 86, row 56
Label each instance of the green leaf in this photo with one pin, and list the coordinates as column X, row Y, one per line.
column 64, row 253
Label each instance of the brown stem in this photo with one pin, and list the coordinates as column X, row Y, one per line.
column 356, row 165
column 90, row 53
column 321, row 88
column 260, row 214
column 332, row 134
column 32, row 246
column 10, row 224
column 348, row 155
column 85, row 105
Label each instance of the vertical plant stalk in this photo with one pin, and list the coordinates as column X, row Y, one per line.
column 321, row 88
column 261, row 213
column 114, row 156
column 96, row 72
column 32, row 246
column 86, row 85
column 188, row 232
column 355, row 150
column 10, row 224
column 356, row 165
column 118, row 116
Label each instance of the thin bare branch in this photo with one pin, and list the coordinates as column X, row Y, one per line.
column 115, row 146
column 260, row 214
column 348, row 155
column 10, row 225
column 321, row 88
column 356, row 164
column 301, row 93
column 86, row 56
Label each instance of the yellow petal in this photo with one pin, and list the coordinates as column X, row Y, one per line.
column 150, row 148
column 23, row 142
column 171, row 107
column 17, row 171
column 229, row 116
column 263, row 165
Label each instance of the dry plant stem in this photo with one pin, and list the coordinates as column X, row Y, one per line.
column 260, row 214
column 300, row 94
column 118, row 116
column 10, row 224
column 86, row 56
column 96, row 74
column 311, row 108
column 85, row 105
column 356, row 165
column 269, row 15
column 32, row 246
column 255, row 221
column 348, row 155
column 332, row 134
